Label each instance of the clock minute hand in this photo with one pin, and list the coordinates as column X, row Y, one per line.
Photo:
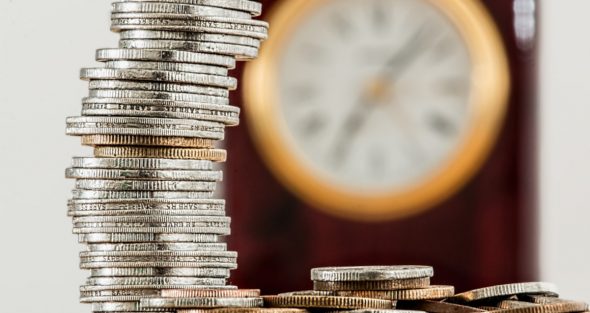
column 401, row 60
column 351, row 127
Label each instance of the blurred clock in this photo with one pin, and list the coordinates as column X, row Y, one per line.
column 373, row 109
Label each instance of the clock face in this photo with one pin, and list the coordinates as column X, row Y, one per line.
column 375, row 93
column 371, row 109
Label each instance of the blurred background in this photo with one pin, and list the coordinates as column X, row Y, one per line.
column 449, row 133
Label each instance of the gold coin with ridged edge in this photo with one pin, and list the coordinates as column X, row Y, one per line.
column 437, row 307
column 432, row 292
column 216, row 155
column 326, row 302
column 563, row 306
column 412, row 283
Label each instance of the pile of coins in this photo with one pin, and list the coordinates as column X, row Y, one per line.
column 407, row 289
column 144, row 203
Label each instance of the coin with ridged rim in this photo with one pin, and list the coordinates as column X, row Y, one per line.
column 159, row 246
column 194, row 46
column 130, row 140
column 373, row 284
column 216, row 155
column 111, row 54
column 210, row 293
column 160, row 271
column 177, row 175
column 437, row 307
column 244, row 310
column 506, row 290
column 97, row 237
column 168, row 66
column 370, row 273
column 431, row 292
column 253, row 7
column 326, row 302
column 201, row 302
column 178, row 8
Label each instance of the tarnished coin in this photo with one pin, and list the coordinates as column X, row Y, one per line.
column 142, row 163
column 216, row 155
column 194, row 46
column 429, row 293
column 244, row 310
column 104, row 55
column 168, row 66
column 373, row 284
column 162, row 7
column 308, row 293
column 159, row 76
column 326, row 302
column 156, row 86
column 145, row 237
column 253, row 7
column 210, row 293
column 437, row 307
column 190, row 36
column 114, row 174
column 201, row 302
column 506, row 290
column 370, row 273
column 161, row 271
column 130, row 140
column 159, row 246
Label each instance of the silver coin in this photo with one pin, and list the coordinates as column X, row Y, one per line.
column 160, row 87
column 140, row 122
column 159, row 7
column 377, row 311
column 100, row 262
column 204, row 225
column 158, row 246
column 221, row 231
column 253, row 7
column 194, row 46
column 146, row 237
column 190, row 36
column 144, row 185
column 201, row 303
column 74, row 130
column 370, row 273
column 128, row 307
column 227, row 118
column 214, row 25
column 161, row 271
column 177, row 175
column 159, row 76
column 142, row 163
column 157, row 96
column 104, row 55
column 506, row 290
column 79, row 194
column 149, row 206
column 225, row 114
column 165, row 280
column 168, row 66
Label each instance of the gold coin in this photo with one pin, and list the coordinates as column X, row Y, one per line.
column 216, row 155
column 326, row 302
column 438, row 307
column 429, row 293
column 126, row 140
column 557, row 307
column 397, row 284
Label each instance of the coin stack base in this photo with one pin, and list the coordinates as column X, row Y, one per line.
column 144, row 203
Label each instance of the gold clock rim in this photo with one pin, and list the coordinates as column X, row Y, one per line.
column 490, row 91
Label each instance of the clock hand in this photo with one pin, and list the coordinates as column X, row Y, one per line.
column 412, row 49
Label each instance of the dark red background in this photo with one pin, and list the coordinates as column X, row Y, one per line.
column 483, row 235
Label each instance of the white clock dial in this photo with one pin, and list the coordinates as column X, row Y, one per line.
column 375, row 94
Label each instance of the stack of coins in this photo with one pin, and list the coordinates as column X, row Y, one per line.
column 407, row 289
column 144, row 203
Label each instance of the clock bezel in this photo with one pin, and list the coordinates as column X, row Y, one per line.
column 489, row 94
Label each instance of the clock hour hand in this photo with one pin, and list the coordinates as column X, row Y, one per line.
column 351, row 127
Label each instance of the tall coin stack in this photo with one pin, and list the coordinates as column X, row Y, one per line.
column 143, row 204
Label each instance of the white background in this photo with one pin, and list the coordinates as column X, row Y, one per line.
column 44, row 43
